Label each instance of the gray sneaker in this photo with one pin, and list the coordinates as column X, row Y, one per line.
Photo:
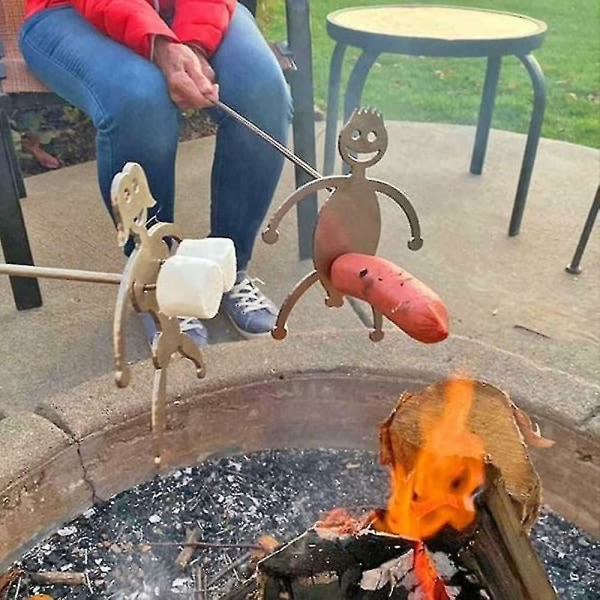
column 249, row 310
column 194, row 328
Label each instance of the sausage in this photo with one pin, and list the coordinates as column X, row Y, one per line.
column 398, row 295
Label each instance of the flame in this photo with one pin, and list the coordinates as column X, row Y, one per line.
column 448, row 470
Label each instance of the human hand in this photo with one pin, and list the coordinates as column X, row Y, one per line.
column 190, row 78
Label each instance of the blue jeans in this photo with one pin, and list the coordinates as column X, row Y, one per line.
column 126, row 98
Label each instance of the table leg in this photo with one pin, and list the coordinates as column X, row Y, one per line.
column 356, row 83
column 333, row 98
column 574, row 267
column 486, row 109
column 533, row 137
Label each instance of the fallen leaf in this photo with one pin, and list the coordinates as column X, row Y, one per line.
column 443, row 73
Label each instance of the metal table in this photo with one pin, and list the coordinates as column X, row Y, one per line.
column 434, row 31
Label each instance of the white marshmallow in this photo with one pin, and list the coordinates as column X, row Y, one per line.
column 187, row 286
column 220, row 250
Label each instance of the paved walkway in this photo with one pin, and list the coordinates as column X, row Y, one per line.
column 510, row 294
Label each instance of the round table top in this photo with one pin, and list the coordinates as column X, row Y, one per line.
column 436, row 27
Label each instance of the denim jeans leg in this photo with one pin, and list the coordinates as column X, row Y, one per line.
column 124, row 95
column 246, row 169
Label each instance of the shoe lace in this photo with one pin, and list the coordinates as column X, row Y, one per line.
column 189, row 324
column 249, row 298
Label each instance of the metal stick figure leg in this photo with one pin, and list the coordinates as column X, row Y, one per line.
column 159, row 409
column 377, row 334
column 280, row 331
column 189, row 349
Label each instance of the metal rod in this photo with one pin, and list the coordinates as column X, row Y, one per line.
column 271, row 140
column 65, row 274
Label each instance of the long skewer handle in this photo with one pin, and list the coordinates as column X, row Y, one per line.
column 271, row 140
column 64, row 274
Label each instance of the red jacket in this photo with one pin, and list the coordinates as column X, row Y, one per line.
column 136, row 22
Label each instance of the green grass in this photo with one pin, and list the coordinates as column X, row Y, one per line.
column 448, row 90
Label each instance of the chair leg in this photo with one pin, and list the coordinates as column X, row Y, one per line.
column 486, row 110
column 301, row 83
column 533, row 137
column 13, row 234
column 575, row 265
column 333, row 96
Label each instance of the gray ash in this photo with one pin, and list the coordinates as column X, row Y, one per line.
column 235, row 500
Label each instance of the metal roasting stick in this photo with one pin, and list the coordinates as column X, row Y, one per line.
column 65, row 274
column 271, row 140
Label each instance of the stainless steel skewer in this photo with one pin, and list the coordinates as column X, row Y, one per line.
column 271, row 140
column 57, row 273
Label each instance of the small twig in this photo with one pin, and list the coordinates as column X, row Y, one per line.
column 70, row 578
column 529, row 330
column 186, row 554
column 207, row 545
column 231, row 561
column 230, row 567
column 18, row 587
column 88, row 582
column 201, row 592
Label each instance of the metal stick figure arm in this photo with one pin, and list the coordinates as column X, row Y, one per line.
column 271, row 234
column 405, row 204
column 164, row 230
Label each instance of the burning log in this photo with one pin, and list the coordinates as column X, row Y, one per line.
column 500, row 551
column 503, row 428
column 456, row 524
column 494, row 559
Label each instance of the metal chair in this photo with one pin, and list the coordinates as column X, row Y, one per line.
column 575, row 264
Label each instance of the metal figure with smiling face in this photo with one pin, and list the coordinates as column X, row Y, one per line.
column 350, row 219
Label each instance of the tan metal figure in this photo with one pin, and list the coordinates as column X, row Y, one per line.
column 131, row 199
column 350, row 219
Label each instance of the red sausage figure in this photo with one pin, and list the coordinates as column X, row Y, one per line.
column 349, row 223
column 395, row 293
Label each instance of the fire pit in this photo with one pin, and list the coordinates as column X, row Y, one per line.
column 236, row 500
column 318, row 407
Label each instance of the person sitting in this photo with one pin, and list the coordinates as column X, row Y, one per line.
column 133, row 66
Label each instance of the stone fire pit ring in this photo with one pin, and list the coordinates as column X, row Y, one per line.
column 317, row 390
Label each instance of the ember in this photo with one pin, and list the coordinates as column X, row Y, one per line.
column 432, row 586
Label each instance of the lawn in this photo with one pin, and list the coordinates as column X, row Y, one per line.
column 448, row 90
